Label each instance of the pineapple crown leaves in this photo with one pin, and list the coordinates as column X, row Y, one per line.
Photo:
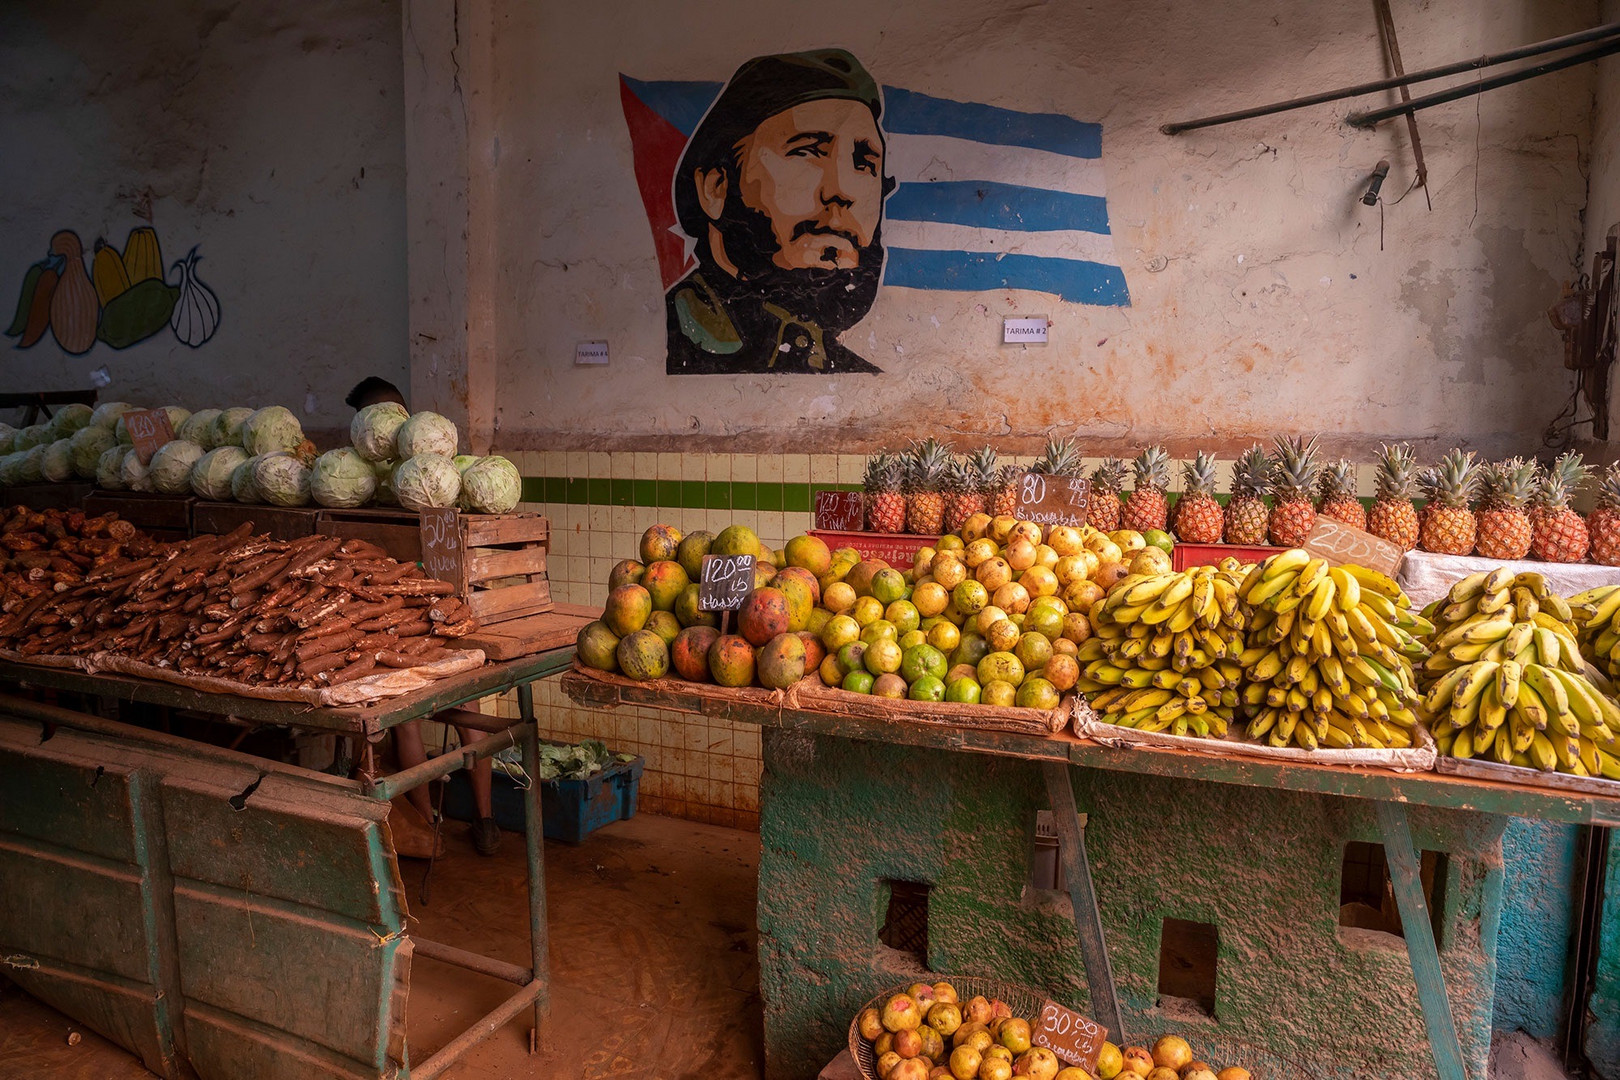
column 1060, row 458
column 1338, row 481
column 1563, row 479
column 884, row 472
column 1510, row 484
column 1109, row 476
column 982, row 462
column 1251, row 474
column 1453, row 482
column 1295, row 468
column 1198, row 475
column 927, row 464
column 1397, row 471
column 1152, row 470
column 1608, row 493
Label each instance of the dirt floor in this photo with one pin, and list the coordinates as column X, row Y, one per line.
column 652, row 956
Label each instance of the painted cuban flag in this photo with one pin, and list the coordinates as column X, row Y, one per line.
column 986, row 198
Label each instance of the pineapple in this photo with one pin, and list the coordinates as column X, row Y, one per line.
column 973, row 484
column 1146, row 508
column 1198, row 513
column 1504, row 525
column 1246, row 511
column 1604, row 520
column 1005, row 501
column 1393, row 518
column 885, row 505
column 925, row 482
column 963, row 497
column 1338, row 493
column 1559, row 534
column 1293, row 477
column 1103, row 505
column 1449, row 526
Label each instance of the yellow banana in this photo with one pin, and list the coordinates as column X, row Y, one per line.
column 1474, row 682
column 1267, row 589
column 1373, row 581
column 1467, row 588
column 1348, row 587
column 1489, row 602
column 1284, row 563
column 1508, row 675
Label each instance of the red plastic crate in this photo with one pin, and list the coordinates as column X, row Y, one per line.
column 1185, row 555
column 899, row 550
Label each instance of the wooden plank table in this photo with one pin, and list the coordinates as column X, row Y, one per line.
column 365, row 724
column 1392, row 791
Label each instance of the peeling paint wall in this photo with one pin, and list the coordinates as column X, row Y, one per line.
column 1261, row 297
column 271, row 136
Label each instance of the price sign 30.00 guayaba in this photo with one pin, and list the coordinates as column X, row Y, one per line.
column 1070, row 1036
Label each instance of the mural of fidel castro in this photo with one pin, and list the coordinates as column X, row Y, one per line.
column 782, row 187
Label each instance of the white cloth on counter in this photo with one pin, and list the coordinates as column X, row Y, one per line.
column 1427, row 577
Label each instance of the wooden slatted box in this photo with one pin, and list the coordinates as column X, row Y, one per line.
column 503, row 565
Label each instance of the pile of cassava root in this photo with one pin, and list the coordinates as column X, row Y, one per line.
column 309, row 613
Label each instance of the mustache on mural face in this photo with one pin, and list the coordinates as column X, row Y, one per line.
column 815, row 228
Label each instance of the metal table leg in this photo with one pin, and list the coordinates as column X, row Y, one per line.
column 1404, row 874
column 534, row 843
column 1087, row 922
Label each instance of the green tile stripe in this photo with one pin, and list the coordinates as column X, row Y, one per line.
column 685, row 494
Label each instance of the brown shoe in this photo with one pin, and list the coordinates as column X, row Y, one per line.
column 413, row 837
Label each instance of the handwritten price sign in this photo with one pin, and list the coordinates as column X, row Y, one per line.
column 1342, row 544
column 1053, row 500
column 839, row 511
column 726, row 582
column 441, row 544
column 149, row 429
column 1070, row 1036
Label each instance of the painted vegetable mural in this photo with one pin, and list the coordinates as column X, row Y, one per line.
column 120, row 300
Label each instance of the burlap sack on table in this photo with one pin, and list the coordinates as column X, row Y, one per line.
column 386, row 684
column 1418, row 758
column 811, row 695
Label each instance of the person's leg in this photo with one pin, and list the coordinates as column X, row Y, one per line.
column 486, row 835
column 408, row 741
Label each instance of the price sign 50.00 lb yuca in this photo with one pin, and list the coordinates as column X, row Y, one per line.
column 441, row 544
column 726, row 582
column 1053, row 500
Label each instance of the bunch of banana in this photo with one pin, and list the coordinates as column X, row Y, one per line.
column 1163, row 655
column 1329, row 662
column 1597, row 617
column 1506, row 679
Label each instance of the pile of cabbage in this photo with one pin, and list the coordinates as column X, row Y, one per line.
column 261, row 456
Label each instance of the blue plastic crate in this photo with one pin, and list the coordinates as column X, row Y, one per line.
column 572, row 809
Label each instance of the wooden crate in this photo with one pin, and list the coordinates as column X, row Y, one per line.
column 166, row 517
column 503, row 566
column 899, row 550
column 68, row 496
column 281, row 522
column 398, row 532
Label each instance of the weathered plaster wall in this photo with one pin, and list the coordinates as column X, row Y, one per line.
column 1533, row 946
column 1261, row 298
column 840, row 816
column 270, row 135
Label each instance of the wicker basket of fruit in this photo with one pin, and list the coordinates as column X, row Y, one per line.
column 966, row 1000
